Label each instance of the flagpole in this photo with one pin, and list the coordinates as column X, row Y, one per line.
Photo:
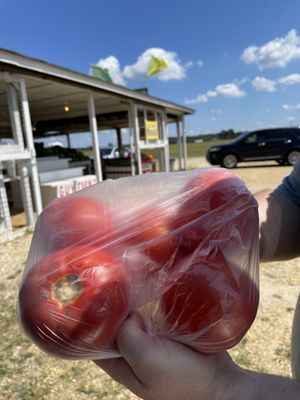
column 144, row 80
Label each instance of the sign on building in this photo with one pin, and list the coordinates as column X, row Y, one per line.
column 152, row 132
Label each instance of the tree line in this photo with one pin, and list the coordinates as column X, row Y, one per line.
column 224, row 135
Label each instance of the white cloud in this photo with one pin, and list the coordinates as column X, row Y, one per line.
column 262, row 84
column 215, row 111
column 211, row 93
column 275, row 54
column 138, row 70
column 201, row 98
column 222, row 90
column 290, row 107
column 229, row 90
column 241, row 81
column 291, row 79
column 175, row 71
column 291, row 119
column 286, row 106
column 113, row 66
column 188, row 65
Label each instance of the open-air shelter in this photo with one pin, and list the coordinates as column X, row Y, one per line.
column 37, row 98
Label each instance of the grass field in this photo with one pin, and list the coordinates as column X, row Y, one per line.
column 195, row 149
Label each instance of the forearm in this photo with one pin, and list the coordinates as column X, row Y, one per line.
column 256, row 386
column 279, row 226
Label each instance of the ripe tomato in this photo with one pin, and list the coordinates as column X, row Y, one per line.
column 75, row 219
column 208, row 197
column 72, row 302
column 206, row 191
column 214, row 302
column 150, row 231
column 212, row 305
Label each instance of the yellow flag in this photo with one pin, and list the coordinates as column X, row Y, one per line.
column 157, row 65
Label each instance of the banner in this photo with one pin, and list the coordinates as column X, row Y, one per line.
column 151, row 129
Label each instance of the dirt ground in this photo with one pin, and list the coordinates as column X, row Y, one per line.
column 257, row 176
column 27, row 373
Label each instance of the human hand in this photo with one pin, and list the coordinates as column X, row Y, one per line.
column 155, row 368
column 279, row 226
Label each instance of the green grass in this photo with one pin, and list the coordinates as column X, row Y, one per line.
column 193, row 149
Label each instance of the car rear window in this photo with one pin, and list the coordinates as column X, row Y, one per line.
column 278, row 134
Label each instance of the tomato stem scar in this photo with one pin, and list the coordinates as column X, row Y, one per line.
column 67, row 289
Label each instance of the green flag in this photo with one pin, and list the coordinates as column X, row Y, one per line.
column 101, row 73
column 157, row 65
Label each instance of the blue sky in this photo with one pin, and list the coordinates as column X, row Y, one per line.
column 236, row 62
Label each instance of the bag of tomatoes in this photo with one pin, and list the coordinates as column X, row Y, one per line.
column 181, row 248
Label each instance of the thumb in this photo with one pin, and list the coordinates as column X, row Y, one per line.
column 148, row 355
column 132, row 340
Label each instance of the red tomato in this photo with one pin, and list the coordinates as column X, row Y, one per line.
column 147, row 158
column 211, row 307
column 150, row 231
column 208, row 196
column 73, row 301
column 206, row 191
column 76, row 219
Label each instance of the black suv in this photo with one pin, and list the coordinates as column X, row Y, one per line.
column 279, row 144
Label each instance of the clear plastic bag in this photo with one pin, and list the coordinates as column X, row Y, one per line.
column 180, row 248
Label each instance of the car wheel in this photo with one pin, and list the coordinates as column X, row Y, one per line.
column 292, row 157
column 229, row 161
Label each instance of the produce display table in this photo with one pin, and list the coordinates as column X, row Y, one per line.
column 114, row 172
column 118, row 168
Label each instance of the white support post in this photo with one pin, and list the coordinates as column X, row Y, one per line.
column 179, row 144
column 145, row 120
column 183, row 143
column 15, row 117
column 25, row 191
column 16, row 125
column 4, row 207
column 94, row 131
column 136, row 136
column 30, row 144
column 161, row 159
column 166, row 142
column 131, row 141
